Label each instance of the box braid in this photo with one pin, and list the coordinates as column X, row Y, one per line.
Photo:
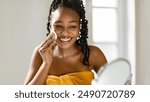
column 76, row 5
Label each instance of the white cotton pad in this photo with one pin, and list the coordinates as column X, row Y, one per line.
column 54, row 34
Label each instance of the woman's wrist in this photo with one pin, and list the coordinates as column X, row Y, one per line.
column 46, row 64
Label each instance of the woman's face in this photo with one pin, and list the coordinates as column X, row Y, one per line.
column 66, row 24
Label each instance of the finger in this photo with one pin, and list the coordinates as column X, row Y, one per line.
column 50, row 48
column 47, row 44
column 50, row 38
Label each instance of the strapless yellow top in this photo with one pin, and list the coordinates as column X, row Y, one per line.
column 76, row 78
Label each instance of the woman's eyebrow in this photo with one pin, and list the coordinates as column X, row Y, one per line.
column 73, row 21
column 69, row 21
column 58, row 22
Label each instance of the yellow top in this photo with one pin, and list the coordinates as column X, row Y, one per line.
column 76, row 78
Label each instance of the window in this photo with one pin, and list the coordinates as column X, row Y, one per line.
column 105, row 26
column 112, row 28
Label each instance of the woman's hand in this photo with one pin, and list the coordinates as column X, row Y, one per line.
column 41, row 61
column 46, row 49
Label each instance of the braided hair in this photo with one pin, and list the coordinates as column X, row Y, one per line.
column 76, row 5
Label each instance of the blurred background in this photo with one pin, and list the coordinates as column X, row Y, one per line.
column 120, row 28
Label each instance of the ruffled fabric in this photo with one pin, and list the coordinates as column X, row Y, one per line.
column 76, row 78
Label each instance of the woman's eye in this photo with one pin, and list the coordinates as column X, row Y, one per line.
column 58, row 26
column 73, row 27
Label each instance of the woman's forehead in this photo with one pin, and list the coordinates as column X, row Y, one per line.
column 64, row 13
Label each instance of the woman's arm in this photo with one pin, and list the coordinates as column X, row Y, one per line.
column 97, row 58
column 40, row 62
column 38, row 70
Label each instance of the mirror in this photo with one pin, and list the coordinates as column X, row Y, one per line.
column 117, row 72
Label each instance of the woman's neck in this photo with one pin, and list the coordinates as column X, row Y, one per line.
column 65, row 53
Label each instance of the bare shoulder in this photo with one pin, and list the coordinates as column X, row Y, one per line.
column 97, row 57
column 94, row 49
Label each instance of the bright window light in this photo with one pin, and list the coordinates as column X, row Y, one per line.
column 105, row 3
column 104, row 25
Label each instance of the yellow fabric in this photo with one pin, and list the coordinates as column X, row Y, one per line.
column 77, row 78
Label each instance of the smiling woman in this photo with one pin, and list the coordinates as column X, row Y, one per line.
column 65, row 22
column 67, row 60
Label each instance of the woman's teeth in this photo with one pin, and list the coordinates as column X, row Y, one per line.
column 65, row 39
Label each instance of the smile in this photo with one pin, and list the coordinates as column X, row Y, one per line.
column 66, row 39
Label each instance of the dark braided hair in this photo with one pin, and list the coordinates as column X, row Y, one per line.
column 76, row 5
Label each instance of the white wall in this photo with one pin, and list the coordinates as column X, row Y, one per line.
column 22, row 27
column 143, row 41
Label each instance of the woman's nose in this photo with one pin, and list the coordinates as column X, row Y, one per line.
column 65, row 32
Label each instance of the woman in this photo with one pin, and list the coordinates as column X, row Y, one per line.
column 67, row 59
